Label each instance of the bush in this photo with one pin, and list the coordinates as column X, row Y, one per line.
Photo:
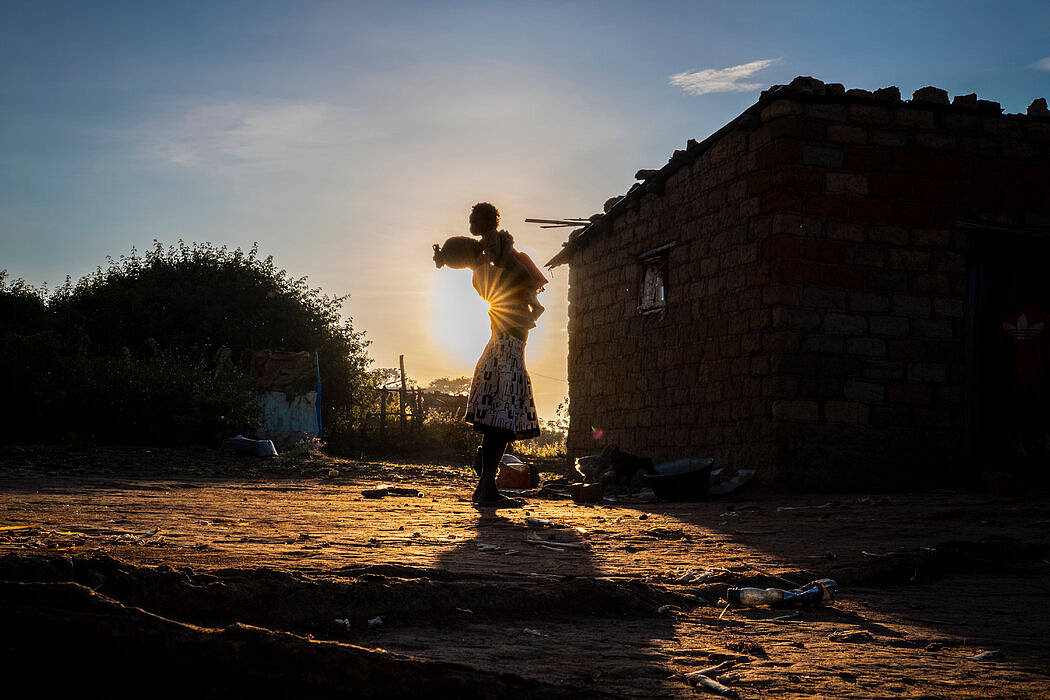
column 129, row 353
column 161, row 400
column 449, row 430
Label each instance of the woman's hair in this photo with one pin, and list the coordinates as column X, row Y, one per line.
column 486, row 211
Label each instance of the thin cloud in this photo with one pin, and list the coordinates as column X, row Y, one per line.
column 721, row 79
column 1042, row 63
column 235, row 133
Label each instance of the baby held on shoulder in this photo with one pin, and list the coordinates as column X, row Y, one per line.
column 461, row 252
column 495, row 248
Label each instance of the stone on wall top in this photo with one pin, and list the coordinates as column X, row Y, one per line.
column 930, row 94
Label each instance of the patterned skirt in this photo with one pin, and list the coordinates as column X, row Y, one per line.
column 501, row 391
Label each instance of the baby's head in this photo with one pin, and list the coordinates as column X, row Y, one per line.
column 459, row 252
column 484, row 217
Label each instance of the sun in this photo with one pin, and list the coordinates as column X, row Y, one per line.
column 460, row 317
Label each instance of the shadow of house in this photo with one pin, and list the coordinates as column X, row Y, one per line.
column 824, row 289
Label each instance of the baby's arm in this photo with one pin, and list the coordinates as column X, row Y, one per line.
column 534, row 303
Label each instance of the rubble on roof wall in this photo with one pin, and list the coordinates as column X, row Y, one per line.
column 652, row 180
column 806, row 85
column 888, row 94
column 930, row 94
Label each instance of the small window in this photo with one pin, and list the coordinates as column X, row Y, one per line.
column 652, row 286
column 654, row 279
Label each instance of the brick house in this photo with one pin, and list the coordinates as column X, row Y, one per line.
column 837, row 288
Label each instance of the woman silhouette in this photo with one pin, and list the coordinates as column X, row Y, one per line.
column 500, row 404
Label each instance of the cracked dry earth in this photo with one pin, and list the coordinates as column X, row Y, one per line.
column 187, row 572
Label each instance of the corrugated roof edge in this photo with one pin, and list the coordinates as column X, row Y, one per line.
column 805, row 87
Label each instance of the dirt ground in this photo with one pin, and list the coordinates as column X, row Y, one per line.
column 248, row 573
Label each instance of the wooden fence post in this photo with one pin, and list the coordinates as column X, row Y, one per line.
column 404, row 393
column 382, row 413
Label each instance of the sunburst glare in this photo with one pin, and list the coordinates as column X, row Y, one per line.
column 460, row 317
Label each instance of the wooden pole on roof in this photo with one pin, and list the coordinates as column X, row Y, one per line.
column 559, row 223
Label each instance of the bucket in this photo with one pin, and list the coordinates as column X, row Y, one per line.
column 681, row 480
column 513, row 474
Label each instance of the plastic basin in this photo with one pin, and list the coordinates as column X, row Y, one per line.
column 681, row 480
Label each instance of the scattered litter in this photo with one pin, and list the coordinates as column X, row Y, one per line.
column 485, row 547
column 788, row 616
column 332, row 473
column 542, row 522
column 713, row 670
column 822, row 506
column 874, row 555
column 668, row 610
column 813, row 593
column 466, row 610
column 534, row 632
column 990, row 655
column 850, row 636
column 723, row 484
column 375, row 621
column 691, row 576
column 549, row 543
column 342, row 621
column 385, row 490
column 712, row 685
column 823, row 555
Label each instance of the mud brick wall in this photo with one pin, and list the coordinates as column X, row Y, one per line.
column 817, row 295
column 690, row 380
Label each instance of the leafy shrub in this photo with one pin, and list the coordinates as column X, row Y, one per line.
column 449, row 430
column 128, row 353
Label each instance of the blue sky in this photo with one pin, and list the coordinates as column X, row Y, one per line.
column 346, row 137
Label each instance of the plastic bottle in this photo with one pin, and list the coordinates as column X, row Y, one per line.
column 750, row 597
column 813, row 593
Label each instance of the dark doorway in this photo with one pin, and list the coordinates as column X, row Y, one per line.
column 1008, row 351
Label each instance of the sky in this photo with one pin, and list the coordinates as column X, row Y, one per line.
column 345, row 138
